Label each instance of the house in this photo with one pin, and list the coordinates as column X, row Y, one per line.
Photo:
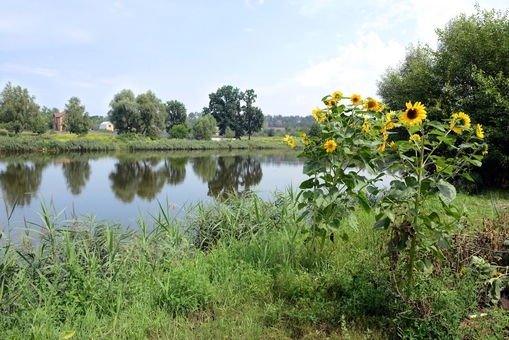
column 106, row 126
column 58, row 121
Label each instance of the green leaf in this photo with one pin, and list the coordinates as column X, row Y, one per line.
column 66, row 335
column 311, row 166
column 437, row 125
column 447, row 191
column 382, row 224
column 309, row 183
column 467, row 176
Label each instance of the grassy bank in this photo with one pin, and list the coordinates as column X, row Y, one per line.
column 103, row 142
column 239, row 269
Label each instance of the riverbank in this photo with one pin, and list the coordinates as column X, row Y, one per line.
column 241, row 269
column 63, row 142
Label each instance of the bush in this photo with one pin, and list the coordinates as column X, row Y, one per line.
column 179, row 131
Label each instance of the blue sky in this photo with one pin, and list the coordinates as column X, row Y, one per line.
column 291, row 52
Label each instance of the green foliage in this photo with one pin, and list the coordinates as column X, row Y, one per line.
column 229, row 133
column 467, row 73
column 176, row 114
column 76, row 119
column 18, row 109
column 179, row 131
column 152, row 113
column 356, row 141
column 315, row 130
column 234, row 108
column 204, row 127
column 124, row 114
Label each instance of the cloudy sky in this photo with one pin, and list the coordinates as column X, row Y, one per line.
column 291, row 52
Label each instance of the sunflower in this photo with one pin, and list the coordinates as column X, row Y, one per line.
column 318, row 114
column 355, row 99
column 479, row 131
column 460, row 121
column 330, row 146
column 365, row 126
column 384, row 141
column 289, row 140
column 414, row 114
column 388, row 124
column 304, row 138
column 371, row 105
column 393, row 145
column 337, row 96
column 414, row 137
column 330, row 102
column 485, row 152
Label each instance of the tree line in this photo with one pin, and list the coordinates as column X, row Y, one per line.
column 231, row 113
column 468, row 72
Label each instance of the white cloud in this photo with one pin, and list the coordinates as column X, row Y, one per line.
column 356, row 68
column 16, row 68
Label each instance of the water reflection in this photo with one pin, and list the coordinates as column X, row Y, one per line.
column 76, row 174
column 234, row 174
column 20, row 182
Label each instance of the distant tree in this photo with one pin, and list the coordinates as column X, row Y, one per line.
column 204, row 127
column 225, row 107
column 191, row 117
column 176, row 114
column 18, row 108
column 179, row 131
column 47, row 114
column 76, row 119
column 124, row 114
column 253, row 116
column 152, row 112
column 229, row 133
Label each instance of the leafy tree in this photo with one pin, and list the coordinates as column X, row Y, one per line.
column 179, row 131
column 204, row 127
column 253, row 116
column 191, row 117
column 18, row 108
column 76, row 119
column 467, row 73
column 176, row 114
column 124, row 114
column 225, row 107
column 152, row 112
column 229, row 133
column 47, row 114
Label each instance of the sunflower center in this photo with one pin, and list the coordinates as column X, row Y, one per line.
column 412, row 114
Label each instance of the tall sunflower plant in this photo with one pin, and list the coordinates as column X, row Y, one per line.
column 363, row 142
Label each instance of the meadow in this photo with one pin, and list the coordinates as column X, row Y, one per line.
column 243, row 268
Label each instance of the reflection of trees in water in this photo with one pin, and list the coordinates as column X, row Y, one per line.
column 20, row 182
column 176, row 169
column 145, row 178
column 204, row 167
column 234, row 173
column 77, row 174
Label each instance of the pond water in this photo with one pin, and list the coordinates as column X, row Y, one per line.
column 119, row 187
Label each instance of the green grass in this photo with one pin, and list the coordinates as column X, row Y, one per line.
column 101, row 142
column 233, row 269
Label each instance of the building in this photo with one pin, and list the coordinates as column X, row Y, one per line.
column 58, row 121
column 106, row 126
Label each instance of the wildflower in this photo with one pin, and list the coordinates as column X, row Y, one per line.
column 479, row 131
column 371, row 105
column 318, row 114
column 460, row 121
column 337, row 96
column 415, row 137
column 289, row 139
column 355, row 99
column 388, row 124
column 414, row 114
column 365, row 126
column 330, row 146
column 384, row 141
column 304, row 139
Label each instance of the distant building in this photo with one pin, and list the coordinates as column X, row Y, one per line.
column 106, row 126
column 58, row 121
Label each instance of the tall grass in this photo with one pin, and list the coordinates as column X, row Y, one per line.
column 237, row 268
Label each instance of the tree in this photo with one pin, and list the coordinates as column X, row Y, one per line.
column 18, row 109
column 152, row 112
column 124, row 114
column 315, row 130
column 76, row 118
column 179, row 131
column 234, row 109
column 467, row 73
column 204, row 127
column 176, row 114
column 225, row 107
column 253, row 116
